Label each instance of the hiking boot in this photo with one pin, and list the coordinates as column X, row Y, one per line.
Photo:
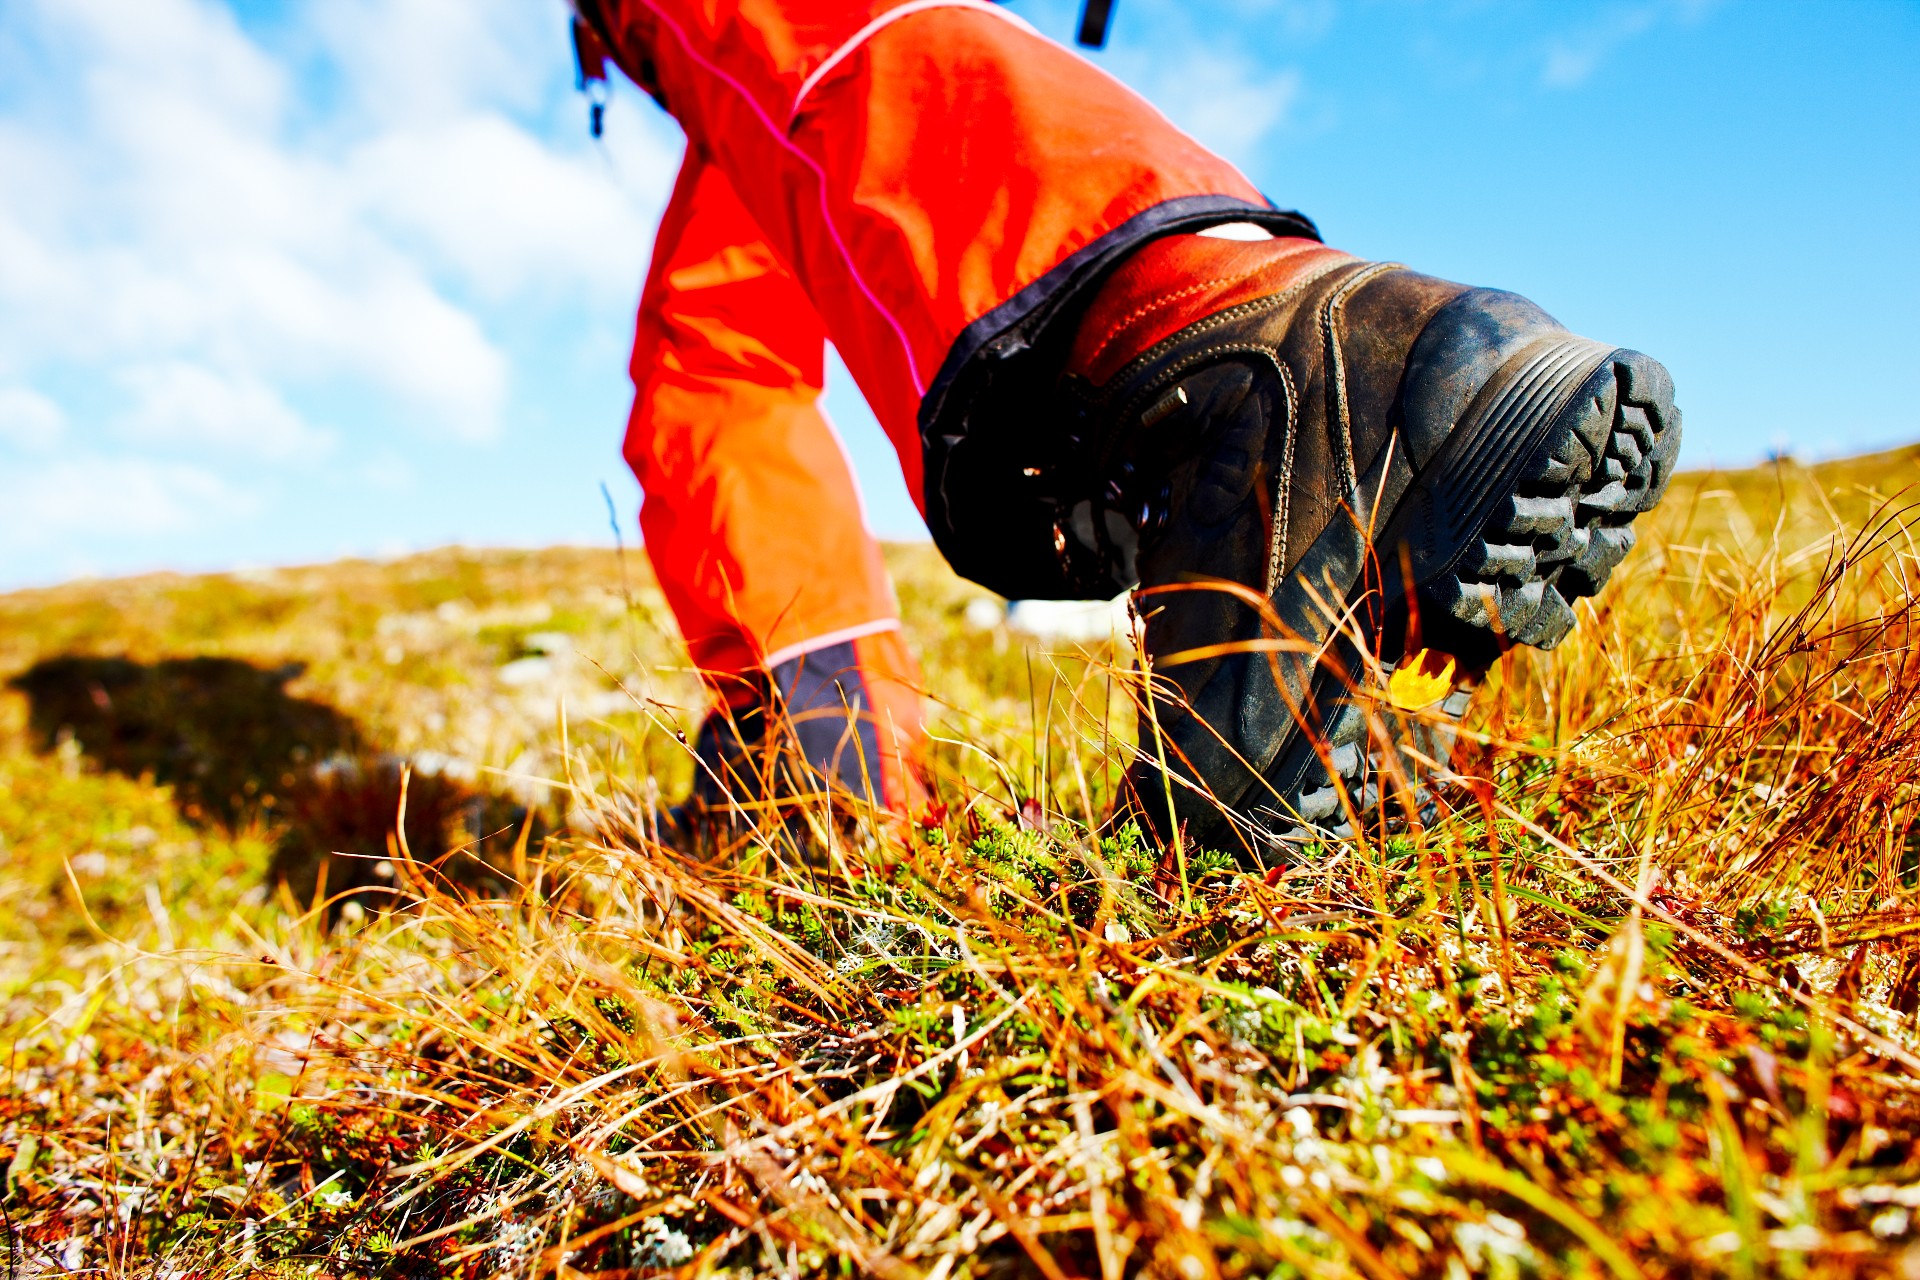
column 1313, row 485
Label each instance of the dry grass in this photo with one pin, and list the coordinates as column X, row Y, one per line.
column 1642, row 1001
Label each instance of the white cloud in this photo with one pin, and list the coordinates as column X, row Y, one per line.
column 178, row 47
column 461, row 183
column 1228, row 104
column 30, row 421
column 109, row 496
column 429, row 60
column 176, row 403
column 176, row 199
column 485, row 199
column 1571, row 59
column 1219, row 93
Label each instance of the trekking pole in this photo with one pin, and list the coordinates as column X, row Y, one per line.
column 590, row 73
column 1095, row 17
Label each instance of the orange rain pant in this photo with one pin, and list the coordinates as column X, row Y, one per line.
column 901, row 179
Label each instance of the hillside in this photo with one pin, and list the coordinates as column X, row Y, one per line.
column 1641, row 1000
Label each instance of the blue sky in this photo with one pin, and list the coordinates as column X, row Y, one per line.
column 286, row 281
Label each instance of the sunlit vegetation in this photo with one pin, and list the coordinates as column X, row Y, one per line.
column 1640, row 998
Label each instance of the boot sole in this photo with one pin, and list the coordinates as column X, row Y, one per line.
column 1528, row 508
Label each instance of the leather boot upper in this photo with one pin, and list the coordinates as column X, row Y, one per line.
column 1245, row 434
column 1242, row 462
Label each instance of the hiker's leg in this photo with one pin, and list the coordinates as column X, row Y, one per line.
column 751, row 517
column 981, row 217
column 920, row 167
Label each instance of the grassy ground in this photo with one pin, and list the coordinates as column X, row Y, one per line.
column 1642, row 1000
